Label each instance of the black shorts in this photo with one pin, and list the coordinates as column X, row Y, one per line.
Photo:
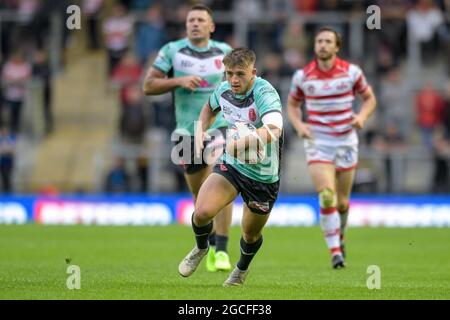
column 259, row 197
column 194, row 164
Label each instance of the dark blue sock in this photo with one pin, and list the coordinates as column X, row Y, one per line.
column 212, row 239
column 248, row 251
column 202, row 233
column 221, row 243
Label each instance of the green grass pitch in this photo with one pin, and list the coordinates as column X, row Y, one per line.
column 293, row 263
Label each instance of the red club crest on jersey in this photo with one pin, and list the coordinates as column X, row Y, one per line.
column 252, row 115
column 218, row 63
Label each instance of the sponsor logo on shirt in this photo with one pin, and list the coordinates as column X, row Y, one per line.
column 226, row 110
column 326, row 86
column 342, row 86
column 186, row 64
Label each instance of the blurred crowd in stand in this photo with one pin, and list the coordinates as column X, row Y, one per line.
column 131, row 32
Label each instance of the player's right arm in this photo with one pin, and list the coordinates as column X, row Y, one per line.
column 295, row 117
column 207, row 117
column 294, row 104
column 156, row 82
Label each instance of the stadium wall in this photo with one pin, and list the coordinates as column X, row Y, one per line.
column 388, row 211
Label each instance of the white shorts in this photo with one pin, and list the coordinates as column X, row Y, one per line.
column 343, row 157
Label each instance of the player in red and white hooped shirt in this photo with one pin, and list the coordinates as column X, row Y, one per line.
column 327, row 86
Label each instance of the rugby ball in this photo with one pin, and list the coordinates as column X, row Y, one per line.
column 255, row 153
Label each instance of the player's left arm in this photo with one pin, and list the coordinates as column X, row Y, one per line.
column 367, row 108
column 272, row 127
column 269, row 104
column 270, row 132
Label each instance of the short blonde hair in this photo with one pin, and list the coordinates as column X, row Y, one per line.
column 242, row 57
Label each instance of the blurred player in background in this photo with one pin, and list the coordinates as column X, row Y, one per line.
column 243, row 98
column 327, row 87
column 192, row 68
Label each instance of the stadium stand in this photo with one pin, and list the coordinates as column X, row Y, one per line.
column 88, row 107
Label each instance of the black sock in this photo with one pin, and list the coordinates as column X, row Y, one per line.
column 212, row 239
column 221, row 243
column 248, row 251
column 201, row 234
